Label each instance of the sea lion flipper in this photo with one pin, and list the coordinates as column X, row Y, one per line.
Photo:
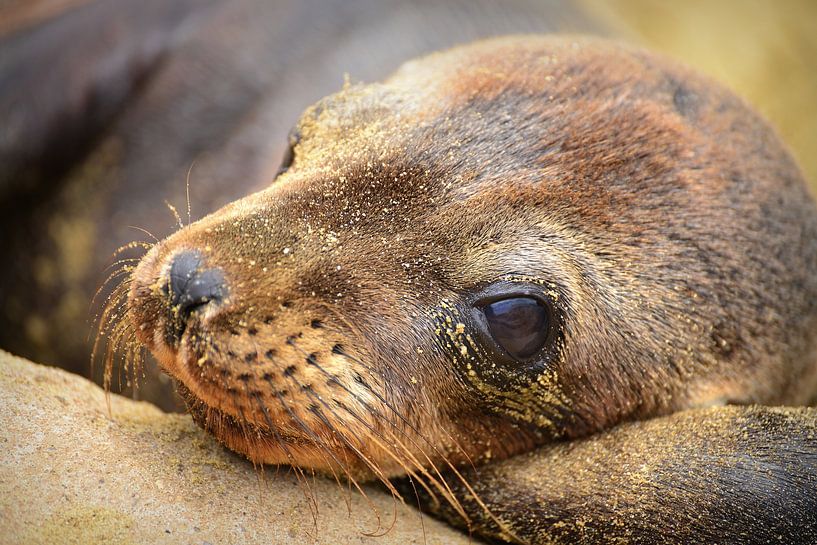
column 717, row 475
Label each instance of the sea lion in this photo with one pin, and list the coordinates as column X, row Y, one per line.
column 522, row 241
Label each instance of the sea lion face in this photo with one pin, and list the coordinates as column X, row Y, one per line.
column 510, row 242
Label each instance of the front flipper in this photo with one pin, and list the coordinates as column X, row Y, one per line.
column 735, row 475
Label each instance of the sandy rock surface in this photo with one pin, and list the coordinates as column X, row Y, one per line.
column 70, row 473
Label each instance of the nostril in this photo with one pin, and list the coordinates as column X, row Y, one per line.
column 205, row 287
column 192, row 286
column 184, row 267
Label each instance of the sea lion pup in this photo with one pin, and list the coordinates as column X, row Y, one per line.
column 519, row 241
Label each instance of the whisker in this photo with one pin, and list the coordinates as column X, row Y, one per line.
column 336, row 433
column 116, row 337
column 377, row 414
column 148, row 233
column 446, row 490
column 374, row 435
column 371, row 465
column 133, row 244
column 187, row 191
column 175, row 214
column 440, row 483
column 320, row 445
column 111, row 277
column 422, row 407
column 377, row 436
column 121, row 261
column 408, row 423
column 299, row 474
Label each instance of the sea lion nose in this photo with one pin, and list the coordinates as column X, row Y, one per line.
column 191, row 286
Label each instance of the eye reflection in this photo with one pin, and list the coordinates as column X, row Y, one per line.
column 520, row 325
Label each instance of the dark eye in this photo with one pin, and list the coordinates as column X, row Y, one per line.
column 520, row 325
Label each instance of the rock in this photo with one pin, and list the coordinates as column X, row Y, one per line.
column 73, row 471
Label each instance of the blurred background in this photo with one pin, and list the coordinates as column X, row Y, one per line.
column 106, row 106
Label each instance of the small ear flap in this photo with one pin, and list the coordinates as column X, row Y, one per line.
column 289, row 153
column 67, row 72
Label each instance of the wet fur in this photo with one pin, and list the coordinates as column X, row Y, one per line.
column 671, row 226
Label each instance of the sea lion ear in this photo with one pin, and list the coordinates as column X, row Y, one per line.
column 289, row 153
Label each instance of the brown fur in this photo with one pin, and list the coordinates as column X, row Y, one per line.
column 671, row 226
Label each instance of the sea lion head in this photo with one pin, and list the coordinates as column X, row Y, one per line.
column 514, row 241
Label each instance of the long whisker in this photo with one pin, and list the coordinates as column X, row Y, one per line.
column 121, row 261
column 438, row 482
column 322, row 448
column 371, row 465
column 375, row 436
column 175, row 214
column 131, row 245
column 187, row 191
column 309, row 493
column 422, row 407
column 148, row 233
column 376, row 414
column 317, row 441
column 447, row 492
column 374, row 467
column 378, row 436
column 410, row 424
column 126, row 281
column 115, row 335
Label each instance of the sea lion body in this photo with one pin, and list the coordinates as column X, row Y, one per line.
column 342, row 319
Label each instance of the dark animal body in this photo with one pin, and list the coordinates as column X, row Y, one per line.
column 580, row 267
